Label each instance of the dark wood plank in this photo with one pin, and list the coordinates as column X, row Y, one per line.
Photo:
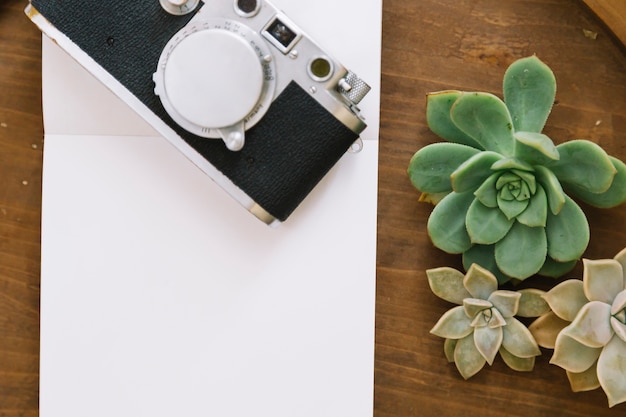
column 21, row 144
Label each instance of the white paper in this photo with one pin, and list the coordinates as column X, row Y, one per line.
column 162, row 296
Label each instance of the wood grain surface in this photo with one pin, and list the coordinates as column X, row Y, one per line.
column 428, row 45
column 613, row 14
column 21, row 143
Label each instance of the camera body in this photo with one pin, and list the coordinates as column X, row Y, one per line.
column 234, row 84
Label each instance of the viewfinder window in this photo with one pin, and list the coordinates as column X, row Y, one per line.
column 281, row 35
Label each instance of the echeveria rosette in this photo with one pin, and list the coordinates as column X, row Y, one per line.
column 499, row 185
column 483, row 323
column 586, row 327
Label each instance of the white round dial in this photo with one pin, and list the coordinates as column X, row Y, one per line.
column 213, row 78
column 216, row 78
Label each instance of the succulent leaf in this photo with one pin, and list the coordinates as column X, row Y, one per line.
column 486, row 225
column 497, row 319
column 555, row 269
column 572, row 355
column 536, row 214
column 552, row 187
column 619, row 328
column 454, row 324
column 614, row 196
column 469, row 361
column 506, row 179
column 430, row 167
column 432, row 198
column 518, row 340
column 532, row 303
column 592, row 325
column 473, row 172
column 546, row 329
column 568, row 232
column 484, row 255
column 446, row 224
column 529, row 90
column 584, row 381
column 512, row 163
column 485, row 118
column 488, row 341
column 619, row 306
column 567, row 298
column 480, row 282
column 438, row 107
column 516, row 363
column 487, row 193
column 507, row 302
column 447, row 284
column 621, row 258
column 509, row 205
column 522, row 252
column 448, row 349
column 603, row 279
column 585, row 165
column 536, row 148
column 611, row 371
column 474, row 307
column 528, row 179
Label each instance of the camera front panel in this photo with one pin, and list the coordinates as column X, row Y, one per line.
column 286, row 152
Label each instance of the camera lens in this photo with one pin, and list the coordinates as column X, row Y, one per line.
column 320, row 69
column 246, row 8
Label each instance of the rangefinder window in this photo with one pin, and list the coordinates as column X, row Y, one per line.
column 281, row 35
column 320, row 69
column 247, row 8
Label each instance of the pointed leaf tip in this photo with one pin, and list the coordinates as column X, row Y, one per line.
column 529, row 91
column 486, row 119
column 585, row 165
column 447, row 283
column 438, row 105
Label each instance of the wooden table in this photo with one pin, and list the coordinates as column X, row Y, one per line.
column 428, row 45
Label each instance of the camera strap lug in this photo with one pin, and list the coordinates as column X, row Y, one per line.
column 357, row 146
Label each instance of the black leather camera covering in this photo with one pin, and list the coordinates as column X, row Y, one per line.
column 286, row 154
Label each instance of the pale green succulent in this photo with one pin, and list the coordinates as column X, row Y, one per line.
column 484, row 324
column 500, row 185
column 587, row 328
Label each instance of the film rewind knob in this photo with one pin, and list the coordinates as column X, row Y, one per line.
column 179, row 7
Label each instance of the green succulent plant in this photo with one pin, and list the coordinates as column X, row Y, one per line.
column 586, row 327
column 483, row 323
column 502, row 190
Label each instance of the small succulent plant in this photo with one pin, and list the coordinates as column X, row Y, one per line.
column 586, row 327
column 483, row 323
column 501, row 188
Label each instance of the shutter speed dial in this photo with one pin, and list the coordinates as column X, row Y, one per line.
column 216, row 80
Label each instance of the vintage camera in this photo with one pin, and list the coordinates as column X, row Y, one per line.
column 234, row 84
